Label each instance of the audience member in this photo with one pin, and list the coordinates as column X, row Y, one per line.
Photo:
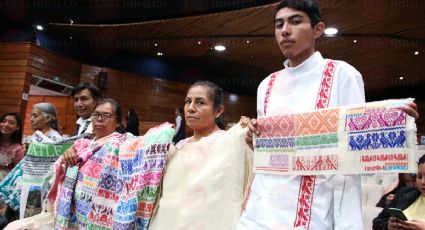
column 409, row 199
column 132, row 123
column 86, row 96
column 43, row 118
column 180, row 129
column 11, row 151
column 404, row 179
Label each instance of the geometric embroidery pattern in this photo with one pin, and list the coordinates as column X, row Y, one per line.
column 324, row 139
column 121, row 193
column 277, row 126
column 282, row 142
column 318, row 122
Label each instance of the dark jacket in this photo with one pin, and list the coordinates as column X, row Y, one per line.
column 402, row 200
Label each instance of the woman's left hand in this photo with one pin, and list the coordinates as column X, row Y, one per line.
column 411, row 109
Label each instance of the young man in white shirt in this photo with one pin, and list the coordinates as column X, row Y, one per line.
column 304, row 202
column 86, row 96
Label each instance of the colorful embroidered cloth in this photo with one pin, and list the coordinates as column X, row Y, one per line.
column 115, row 188
column 374, row 137
column 30, row 178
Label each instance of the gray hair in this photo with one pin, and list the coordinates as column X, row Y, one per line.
column 48, row 109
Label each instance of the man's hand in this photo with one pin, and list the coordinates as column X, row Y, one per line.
column 70, row 157
column 411, row 109
column 252, row 128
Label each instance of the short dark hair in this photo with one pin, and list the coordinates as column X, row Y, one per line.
column 17, row 135
column 310, row 7
column 216, row 94
column 117, row 110
column 421, row 160
column 94, row 90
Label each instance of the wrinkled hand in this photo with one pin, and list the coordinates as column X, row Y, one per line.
column 411, row 109
column 70, row 157
column 252, row 128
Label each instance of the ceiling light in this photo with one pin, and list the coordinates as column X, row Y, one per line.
column 70, row 37
column 159, row 54
column 247, row 41
column 156, row 44
column 220, row 48
column 39, row 27
column 199, row 42
column 355, row 41
column 401, row 78
column 71, row 21
column 416, row 53
column 331, row 31
column 233, row 97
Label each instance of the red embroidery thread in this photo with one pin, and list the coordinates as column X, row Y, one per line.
column 307, row 183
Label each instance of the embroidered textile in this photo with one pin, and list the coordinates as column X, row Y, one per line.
column 10, row 156
column 116, row 187
column 204, row 182
column 375, row 137
column 30, row 179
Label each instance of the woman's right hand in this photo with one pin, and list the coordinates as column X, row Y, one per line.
column 70, row 157
column 397, row 224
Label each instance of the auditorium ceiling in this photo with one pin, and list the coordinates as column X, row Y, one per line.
column 383, row 39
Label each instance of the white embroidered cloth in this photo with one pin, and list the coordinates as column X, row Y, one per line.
column 375, row 137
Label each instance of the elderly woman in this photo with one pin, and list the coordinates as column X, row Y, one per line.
column 43, row 118
column 409, row 199
column 206, row 174
column 106, row 119
column 117, row 175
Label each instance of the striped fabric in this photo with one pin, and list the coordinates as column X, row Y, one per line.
column 116, row 188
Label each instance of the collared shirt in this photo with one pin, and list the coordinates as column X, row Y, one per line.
column 85, row 125
column 273, row 200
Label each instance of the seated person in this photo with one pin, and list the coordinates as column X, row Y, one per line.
column 404, row 179
column 409, row 199
column 43, row 119
column 11, row 151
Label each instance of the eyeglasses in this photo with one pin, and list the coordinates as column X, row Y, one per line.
column 104, row 116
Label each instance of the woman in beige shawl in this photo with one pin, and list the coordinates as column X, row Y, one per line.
column 206, row 174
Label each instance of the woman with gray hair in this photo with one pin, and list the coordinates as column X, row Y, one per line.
column 43, row 118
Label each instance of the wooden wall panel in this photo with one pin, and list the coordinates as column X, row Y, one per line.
column 18, row 62
column 48, row 64
column 13, row 62
column 155, row 100
column 64, row 109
